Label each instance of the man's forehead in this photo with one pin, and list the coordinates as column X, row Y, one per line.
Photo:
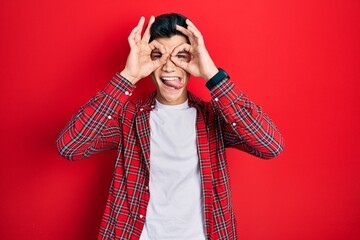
column 171, row 42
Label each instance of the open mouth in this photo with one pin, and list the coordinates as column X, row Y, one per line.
column 172, row 82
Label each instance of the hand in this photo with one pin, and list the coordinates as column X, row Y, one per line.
column 139, row 63
column 201, row 64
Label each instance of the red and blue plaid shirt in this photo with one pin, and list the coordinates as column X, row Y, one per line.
column 109, row 121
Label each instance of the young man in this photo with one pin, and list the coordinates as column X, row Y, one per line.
column 170, row 179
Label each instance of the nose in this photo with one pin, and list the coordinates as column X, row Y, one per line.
column 169, row 66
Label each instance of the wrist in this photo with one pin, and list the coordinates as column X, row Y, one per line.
column 211, row 73
column 217, row 78
column 132, row 79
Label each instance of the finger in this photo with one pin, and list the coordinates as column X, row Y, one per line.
column 146, row 36
column 183, row 30
column 140, row 26
column 186, row 32
column 131, row 37
column 134, row 32
column 179, row 63
column 189, row 23
column 194, row 31
column 182, row 47
column 161, row 61
column 156, row 45
column 198, row 38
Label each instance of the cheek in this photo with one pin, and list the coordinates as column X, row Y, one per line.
column 186, row 76
column 154, row 75
column 153, row 78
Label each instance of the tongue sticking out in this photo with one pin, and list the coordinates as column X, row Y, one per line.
column 174, row 83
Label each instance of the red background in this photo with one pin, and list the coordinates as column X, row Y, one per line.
column 298, row 59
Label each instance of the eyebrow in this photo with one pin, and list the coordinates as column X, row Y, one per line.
column 183, row 52
column 158, row 51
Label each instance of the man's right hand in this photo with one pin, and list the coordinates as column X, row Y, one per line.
column 139, row 63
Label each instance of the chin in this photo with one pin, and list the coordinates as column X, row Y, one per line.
column 171, row 97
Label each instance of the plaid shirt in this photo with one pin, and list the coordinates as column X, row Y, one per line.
column 109, row 121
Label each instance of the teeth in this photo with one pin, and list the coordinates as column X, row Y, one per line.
column 169, row 78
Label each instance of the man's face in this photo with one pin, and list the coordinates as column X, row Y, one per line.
column 171, row 80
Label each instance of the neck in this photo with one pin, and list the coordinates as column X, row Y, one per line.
column 169, row 101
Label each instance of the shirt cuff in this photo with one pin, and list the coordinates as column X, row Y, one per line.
column 225, row 93
column 119, row 88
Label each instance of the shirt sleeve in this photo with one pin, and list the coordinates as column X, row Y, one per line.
column 245, row 126
column 96, row 127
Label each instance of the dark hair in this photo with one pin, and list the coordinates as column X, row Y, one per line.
column 165, row 26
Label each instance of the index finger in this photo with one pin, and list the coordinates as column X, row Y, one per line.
column 156, row 45
column 184, row 47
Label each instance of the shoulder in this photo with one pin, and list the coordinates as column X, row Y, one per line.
column 207, row 107
column 136, row 105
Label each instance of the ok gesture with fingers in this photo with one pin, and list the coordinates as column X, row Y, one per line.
column 201, row 64
column 139, row 63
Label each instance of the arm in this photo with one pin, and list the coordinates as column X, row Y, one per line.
column 245, row 126
column 96, row 127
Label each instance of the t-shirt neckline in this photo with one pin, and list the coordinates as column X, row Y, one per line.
column 184, row 105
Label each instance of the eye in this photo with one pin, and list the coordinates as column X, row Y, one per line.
column 183, row 56
column 155, row 55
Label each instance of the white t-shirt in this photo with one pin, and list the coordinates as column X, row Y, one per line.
column 175, row 206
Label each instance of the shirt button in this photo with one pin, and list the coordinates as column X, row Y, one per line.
column 109, row 117
column 141, row 216
column 147, row 188
column 127, row 93
column 216, row 99
column 234, row 124
column 152, row 106
column 141, row 109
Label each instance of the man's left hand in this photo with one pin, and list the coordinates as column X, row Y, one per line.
column 201, row 64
